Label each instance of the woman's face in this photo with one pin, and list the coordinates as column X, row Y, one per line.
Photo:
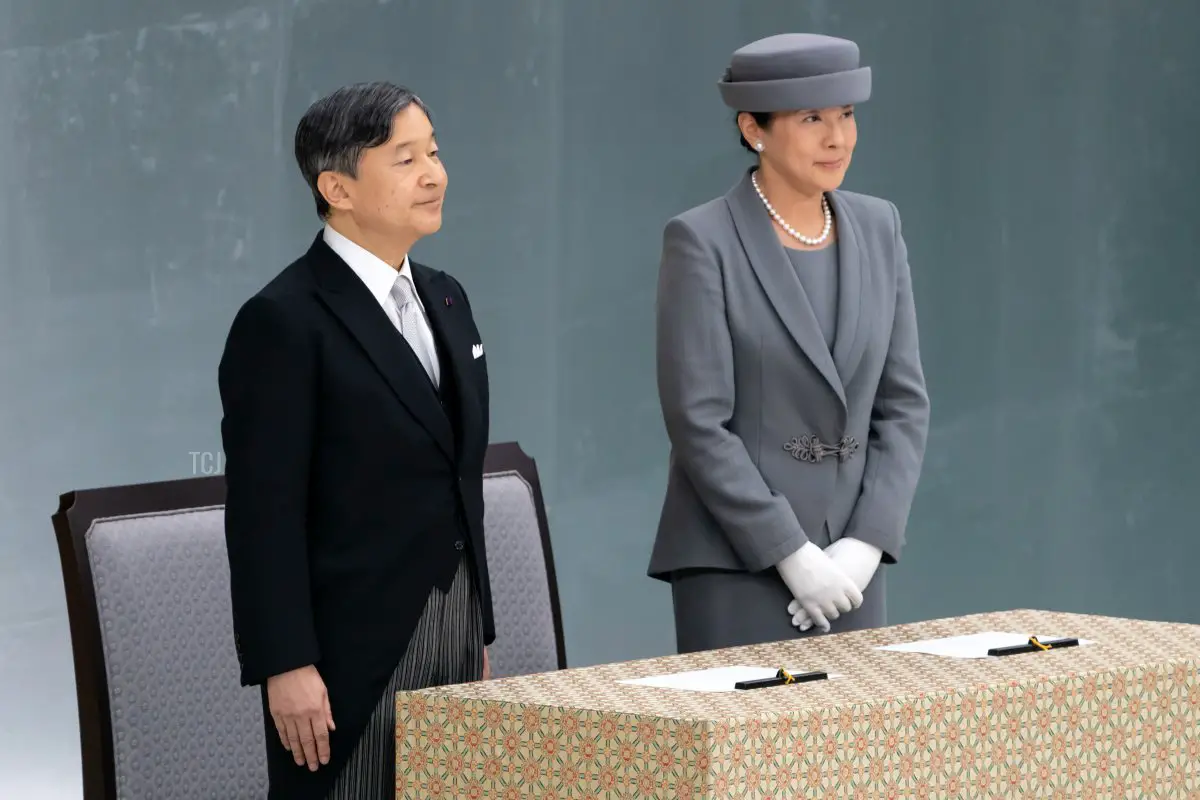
column 810, row 149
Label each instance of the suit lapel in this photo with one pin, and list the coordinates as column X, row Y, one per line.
column 455, row 349
column 778, row 279
column 848, row 344
column 350, row 301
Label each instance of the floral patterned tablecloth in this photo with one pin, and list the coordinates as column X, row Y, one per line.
column 1118, row 718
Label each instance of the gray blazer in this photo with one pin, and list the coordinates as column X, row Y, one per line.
column 774, row 438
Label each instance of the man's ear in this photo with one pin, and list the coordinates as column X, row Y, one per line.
column 335, row 188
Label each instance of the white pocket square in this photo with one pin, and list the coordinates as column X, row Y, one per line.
column 476, row 350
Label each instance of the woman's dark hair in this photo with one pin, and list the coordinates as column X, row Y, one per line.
column 763, row 118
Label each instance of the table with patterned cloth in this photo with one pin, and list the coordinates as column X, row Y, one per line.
column 1116, row 717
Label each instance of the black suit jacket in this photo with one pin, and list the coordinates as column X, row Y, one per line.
column 353, row 485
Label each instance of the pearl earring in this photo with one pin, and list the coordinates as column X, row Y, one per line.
column 758, row 146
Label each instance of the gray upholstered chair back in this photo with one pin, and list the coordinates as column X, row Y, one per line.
column 529, row 635
column 151, row 608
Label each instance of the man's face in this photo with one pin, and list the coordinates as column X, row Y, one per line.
column 400, row 184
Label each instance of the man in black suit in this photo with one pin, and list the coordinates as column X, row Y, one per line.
column 355, row 398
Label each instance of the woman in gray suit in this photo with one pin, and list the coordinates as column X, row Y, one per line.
column 789, row 371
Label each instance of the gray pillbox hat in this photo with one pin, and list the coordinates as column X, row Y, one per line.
column 793, row 71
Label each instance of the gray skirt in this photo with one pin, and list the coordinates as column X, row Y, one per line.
column 721, row 608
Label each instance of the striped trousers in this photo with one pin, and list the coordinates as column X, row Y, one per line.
column 446, row 647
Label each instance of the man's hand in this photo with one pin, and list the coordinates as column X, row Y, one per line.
column 487, row 668
column 299, row 705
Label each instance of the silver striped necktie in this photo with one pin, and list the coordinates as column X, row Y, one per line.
column 409, row 317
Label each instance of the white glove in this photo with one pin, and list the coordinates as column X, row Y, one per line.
column 820, row 588
column 857, row 559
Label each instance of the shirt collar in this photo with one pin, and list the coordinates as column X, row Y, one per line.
column 377, row 274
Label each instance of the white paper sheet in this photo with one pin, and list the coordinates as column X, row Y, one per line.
column 974, row 645
column 717, row 679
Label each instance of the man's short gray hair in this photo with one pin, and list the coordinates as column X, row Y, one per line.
column 335, row 130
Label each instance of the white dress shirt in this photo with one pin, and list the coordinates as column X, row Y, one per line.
column 379, row 277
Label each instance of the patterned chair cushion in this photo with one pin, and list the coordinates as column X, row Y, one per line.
column 525, row 637
column 182, row 726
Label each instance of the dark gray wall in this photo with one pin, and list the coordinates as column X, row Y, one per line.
column 1042, row 156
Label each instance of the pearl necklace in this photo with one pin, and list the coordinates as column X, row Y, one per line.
column 808, row 240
